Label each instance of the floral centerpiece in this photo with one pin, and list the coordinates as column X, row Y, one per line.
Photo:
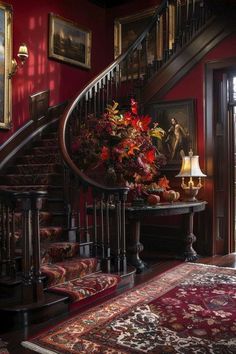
column 121, row 146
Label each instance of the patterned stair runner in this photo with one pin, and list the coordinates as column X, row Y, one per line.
column 64, row 272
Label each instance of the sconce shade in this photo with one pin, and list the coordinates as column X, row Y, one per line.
column 190, row 167
column 23, row 52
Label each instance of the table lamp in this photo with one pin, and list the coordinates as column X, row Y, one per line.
column 190, row 168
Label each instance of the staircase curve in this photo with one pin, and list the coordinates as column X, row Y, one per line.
column 178, row 35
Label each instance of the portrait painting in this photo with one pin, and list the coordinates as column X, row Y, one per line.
column 68, row 42
column 5, row 65
column 177, row 119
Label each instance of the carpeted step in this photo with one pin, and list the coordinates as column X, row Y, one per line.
column 89, row 288
column 58, row 273
column 42, row 179
column 33, row 169
column 59, row 251
column 44, row 150
column 54, row 233
column 37, row 159
column 46, row 141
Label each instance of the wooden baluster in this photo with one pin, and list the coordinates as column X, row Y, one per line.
column 107, row 240
column 95, row 92
column 118, row 234
column 102, row 228
column 171, row 27
column 36, row 201
column 95, row 227
column 86, row 111
column 166, row 34
column 103, row 94
column 27, row 292
column 13, row 244
column 159, row 36
column 99, row 97
column 3, row 238
column 1, row 233
column 8, row 242
column 123, row 234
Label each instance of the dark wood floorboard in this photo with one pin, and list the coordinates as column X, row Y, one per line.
column 156, row 266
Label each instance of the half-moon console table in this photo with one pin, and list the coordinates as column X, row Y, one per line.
column 134, row 216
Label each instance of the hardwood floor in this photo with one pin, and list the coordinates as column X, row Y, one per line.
column 156, row 265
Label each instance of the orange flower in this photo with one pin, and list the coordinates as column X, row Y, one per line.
column 164, row 183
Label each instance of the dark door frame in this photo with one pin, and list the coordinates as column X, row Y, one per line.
column 213, row 244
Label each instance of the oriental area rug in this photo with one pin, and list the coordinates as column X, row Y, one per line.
column 188, row 309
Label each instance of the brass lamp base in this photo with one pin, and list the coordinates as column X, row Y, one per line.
column 190, row 194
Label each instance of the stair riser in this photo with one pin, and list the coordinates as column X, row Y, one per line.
column 44, row 150
column 46, row 180
column 35, row 169
column 32, row 159
column 46, row 142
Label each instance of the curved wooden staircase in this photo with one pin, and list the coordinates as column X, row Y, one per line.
column 63, row 233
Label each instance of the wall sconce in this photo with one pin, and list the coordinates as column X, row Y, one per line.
column 22, row 55
column 190, row 168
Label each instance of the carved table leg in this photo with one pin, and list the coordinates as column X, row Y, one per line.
column 190, row 254
column 134, row 246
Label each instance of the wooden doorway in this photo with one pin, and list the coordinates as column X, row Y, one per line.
column 220, row 156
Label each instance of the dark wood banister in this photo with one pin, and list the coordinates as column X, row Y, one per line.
column 87, row 88
column 191, row 26
column 119, row 81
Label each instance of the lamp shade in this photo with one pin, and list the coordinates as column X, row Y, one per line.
column 190, row 167
column 23, row 51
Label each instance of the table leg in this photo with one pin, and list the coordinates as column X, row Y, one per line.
column 134, row 246
column 190, row 254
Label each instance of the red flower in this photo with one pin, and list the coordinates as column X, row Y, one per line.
column 151, row 155
column 134, row 106
column 105, row 154
column 141, row 123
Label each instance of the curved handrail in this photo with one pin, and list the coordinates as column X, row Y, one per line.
column 96, row 83
column 87, row 88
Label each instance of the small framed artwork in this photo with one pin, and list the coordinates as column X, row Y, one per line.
column 177, row 118
column 5, row 65
column 68, row 42
column 126, row 31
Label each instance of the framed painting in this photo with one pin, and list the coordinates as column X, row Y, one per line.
column 126, row 31
column 177, row 118
column 5, row 65
column 68, row 42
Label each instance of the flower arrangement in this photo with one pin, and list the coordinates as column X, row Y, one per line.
column 122, row 145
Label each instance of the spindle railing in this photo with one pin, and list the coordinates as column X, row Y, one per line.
column 173, row 24
column 27, row 205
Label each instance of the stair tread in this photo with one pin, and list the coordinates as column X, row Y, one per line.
column 59, row 272
column 88, row 286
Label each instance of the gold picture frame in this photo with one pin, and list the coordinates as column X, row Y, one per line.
column 5, row 65
column 68, row 42
column 127, row 29
column 177, row 119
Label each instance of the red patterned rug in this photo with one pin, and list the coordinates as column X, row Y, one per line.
column 188, row 309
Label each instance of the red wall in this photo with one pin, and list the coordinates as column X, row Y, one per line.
column 192, row 85
column 30, row 25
